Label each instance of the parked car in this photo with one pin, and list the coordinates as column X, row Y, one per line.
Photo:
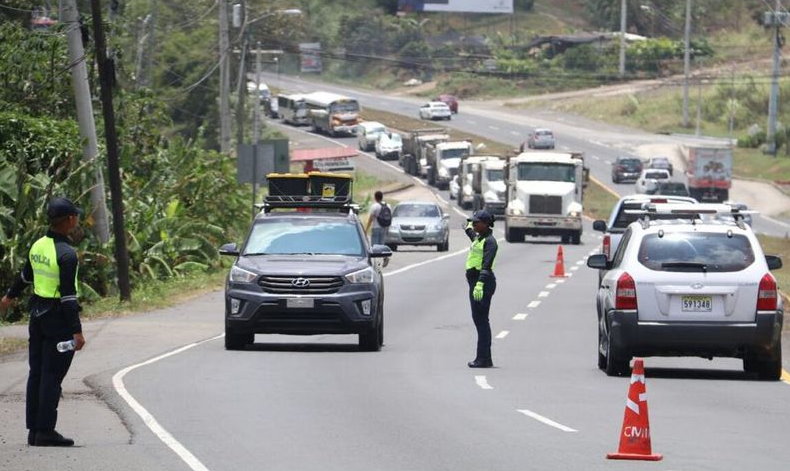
column 435, row 110
column 669, row 189
column 389, row 146
column 367, row 134
column 305, row 273
column 626, row 169
column 450, row 100
column 689, row 287
column 540, row 138
column 649, row 179
column 418, row 223
column 660, row 163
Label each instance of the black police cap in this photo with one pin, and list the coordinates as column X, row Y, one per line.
column 483, row 216
column 59, row 207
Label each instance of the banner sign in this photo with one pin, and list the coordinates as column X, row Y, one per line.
column 338, row 164
column 310, row 57
column 470, row 6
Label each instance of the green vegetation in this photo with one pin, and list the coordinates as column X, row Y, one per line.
column 781, row 248
column 598, row 201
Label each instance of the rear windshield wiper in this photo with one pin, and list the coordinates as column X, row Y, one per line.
column 700, row 266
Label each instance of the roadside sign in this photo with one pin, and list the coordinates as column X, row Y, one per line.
column 337, row 164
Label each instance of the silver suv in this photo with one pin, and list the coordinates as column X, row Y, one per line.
column 695, row 286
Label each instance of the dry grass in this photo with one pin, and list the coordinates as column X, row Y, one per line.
column 11, row 345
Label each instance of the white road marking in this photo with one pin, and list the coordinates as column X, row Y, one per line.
column 493, row 128
column 546, row 421
column 575, row 267
column 520, row 317
column 551, row 286
column 543, row 294
column 502, row 334
column 571, row 274
column 560, row 280
column 596, row 157
column 515, row 133
column 580, row 262
column 483, row 382
column 426, row 262
column 471, row 121
column 533, row 304
column 148, row 419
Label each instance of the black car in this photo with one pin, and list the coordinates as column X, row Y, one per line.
column 669, row 189
column 625, row 169
column 305, row 273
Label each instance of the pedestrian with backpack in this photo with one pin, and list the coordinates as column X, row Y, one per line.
column 379, row 218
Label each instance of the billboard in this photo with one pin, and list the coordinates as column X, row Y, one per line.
column 470, row 6
column 310, row 57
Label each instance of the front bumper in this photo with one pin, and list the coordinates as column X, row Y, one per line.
column 337, row 313
column 622, row 176
column 390, row 155
column 406, row 237
column 720, row 339
column 344, row 128
column 546, row 224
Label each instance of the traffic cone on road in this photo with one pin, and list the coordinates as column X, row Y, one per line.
column 559, row 265
column 635, row 436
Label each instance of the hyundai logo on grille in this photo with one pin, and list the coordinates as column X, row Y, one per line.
column 300, row 282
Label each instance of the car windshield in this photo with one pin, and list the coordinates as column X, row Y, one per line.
column 543, row 133
column 659, row 161
column 416, row 211
column 396, row 139
column 345, row 107
column 495, row 175
column 697, row 252
column 656, row 175
column 673, row 189
column 546, row 172
column 376, row 130
column 439, row 106
column 629, row 163
column 297, row 235
column 454, row 153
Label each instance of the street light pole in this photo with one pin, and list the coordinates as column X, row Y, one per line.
column 224, row 78
column 623, row 15
column 686, row 64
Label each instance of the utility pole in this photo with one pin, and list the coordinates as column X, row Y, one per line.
column 623, row 15
column 686, row 64
column 224, row 78
column 777, row 20
column 256, row 128
column 699, row 105
column 82, row 95
column 140, row 70
column 241, row 92
column 106, row 76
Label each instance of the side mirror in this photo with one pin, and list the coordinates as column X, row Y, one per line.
column 445, row 216
column 598, row 261
column 774, row 262
column 599, row 225
column 380, row 251
column 229, row 249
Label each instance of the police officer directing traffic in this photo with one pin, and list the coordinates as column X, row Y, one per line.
column 482, row 282
column 54, row 317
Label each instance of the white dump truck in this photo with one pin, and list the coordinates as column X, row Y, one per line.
column 483, row 183
column 442, row 159
column 544, row 195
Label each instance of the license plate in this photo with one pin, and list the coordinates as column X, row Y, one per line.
column 696, row 303
column 299, row 303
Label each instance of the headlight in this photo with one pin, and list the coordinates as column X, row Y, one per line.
column 240, row 275
column 573, row 214
column 362, row 276
column 443, row 172
column 438, row 226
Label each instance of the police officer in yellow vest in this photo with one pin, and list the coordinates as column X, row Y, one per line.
column 482, row 282
column 54, row 317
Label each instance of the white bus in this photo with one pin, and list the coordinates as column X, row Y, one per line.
column 292, row 109
column 332, row 113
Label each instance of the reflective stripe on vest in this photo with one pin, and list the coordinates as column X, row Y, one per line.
column 475, row 258
column 46, row 272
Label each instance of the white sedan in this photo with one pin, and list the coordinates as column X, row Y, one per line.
column 435, row 110
column 649, row 179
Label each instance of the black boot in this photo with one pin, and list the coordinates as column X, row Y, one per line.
column 31, row 437
column 477, row 363
column 52, row 438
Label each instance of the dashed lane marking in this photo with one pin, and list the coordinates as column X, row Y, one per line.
column 546, row 421
column 515, row 133
column 483, row 382
column 520, row 317
column 494, row 128
column 560, row 281
column 574, row 268
column 543, row 294
column 785, row 377
column 580, row 262
column 551, row 285
column 533, row 304
column 502, row 334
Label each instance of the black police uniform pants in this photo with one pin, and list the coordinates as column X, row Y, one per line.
column 480, row 315
column 48, row 367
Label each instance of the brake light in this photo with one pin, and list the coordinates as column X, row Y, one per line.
column 606, row 247
column 658, row 200
column 625, row 294
column 766, row 294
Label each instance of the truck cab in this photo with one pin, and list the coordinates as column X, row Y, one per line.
column 413, row 157
column 544, row 192
column 442, row 160
column 481, row 183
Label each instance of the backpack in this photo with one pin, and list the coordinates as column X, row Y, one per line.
column 384, row 217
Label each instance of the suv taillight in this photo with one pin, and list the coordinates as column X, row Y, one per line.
column 606, row 247
column 766, row 294
column 625, row 295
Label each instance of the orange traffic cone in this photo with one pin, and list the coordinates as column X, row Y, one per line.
column 559, row 265
column 635, row 436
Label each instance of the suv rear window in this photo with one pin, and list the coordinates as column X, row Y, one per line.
column 696, row 252
column 655, row 175
column 299, row 235
column 630, row 163
column 624, row 219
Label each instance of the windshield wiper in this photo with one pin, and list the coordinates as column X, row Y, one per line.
column 701, row 266
column 252, row 254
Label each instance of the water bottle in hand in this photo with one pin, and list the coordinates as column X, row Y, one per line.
column 66, row 346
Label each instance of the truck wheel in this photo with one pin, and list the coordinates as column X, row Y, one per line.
column 617, row 364
column 565, row 239
column 513, row 235
column 444, row 246
column 372, row 339
column 767, row 368
column 576, row 238
column 237, row 341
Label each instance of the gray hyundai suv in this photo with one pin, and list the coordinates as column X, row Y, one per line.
column 305, row 273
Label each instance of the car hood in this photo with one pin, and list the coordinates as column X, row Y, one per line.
column 415, row 221
column 321, row 265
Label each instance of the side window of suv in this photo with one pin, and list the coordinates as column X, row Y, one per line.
column 618, row 255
